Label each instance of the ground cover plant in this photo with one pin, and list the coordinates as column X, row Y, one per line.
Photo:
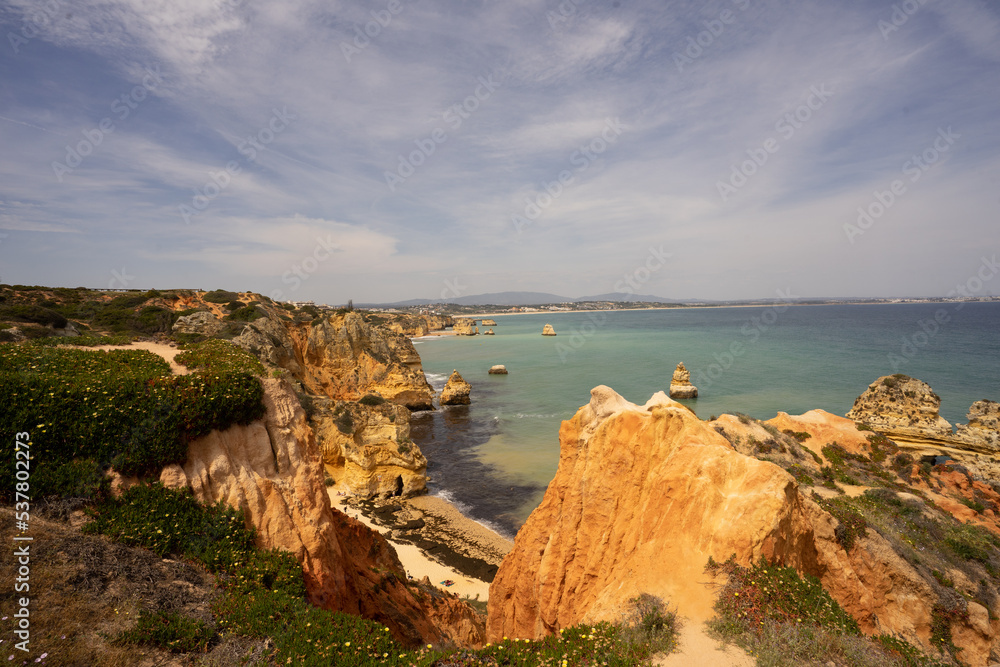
column 784, row 620
column 264, row 597
column 87, row 411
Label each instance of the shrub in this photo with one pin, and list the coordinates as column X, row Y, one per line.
column 170, row 631
column 34, row 314
column 851, row 524
column 220, row 296
column 120, row 408
column 245, row 314
column 371, row 399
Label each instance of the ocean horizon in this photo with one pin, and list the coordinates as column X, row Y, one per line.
column 495, row 457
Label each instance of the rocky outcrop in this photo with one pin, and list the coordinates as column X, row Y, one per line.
column 345, row 358
column 489, row 323
column 498, row 369
column 202, row 323
column 489, row 332
column 366, row 448
column 644, row 495
column 903, row 408
column 547, row 330
column 342, row 357
column 680, row 383
column 464, row 327
column 418, row 325
column 456, row 391
column 982, row 433
column 271, row 471
column 824, row 428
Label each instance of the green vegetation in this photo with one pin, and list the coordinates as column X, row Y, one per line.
column 89, row 410
column 851, row 524
column 220, row 296
column 218, row 356
column 785, row 620
column 263, row 596
column 371, row 399
column 169, row 631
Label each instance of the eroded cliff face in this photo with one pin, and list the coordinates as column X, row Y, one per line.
column 905, row 408
column 271, row 470
column 367, row 448
column 644, row 495
column 342, row 357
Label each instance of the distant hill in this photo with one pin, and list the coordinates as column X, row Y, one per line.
column 531, row 299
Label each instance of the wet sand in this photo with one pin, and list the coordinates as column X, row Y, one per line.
column 433, row 539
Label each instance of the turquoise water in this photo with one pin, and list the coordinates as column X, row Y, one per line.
column 495, row 457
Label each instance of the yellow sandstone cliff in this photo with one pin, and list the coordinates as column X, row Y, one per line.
column 644, row 495
column 271, row 470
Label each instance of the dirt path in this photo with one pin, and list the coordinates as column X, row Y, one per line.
column 697, row 649
column 161, row 349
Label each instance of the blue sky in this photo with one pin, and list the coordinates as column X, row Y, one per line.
column 419, row 148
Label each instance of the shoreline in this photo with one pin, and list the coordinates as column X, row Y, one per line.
column 433, row 539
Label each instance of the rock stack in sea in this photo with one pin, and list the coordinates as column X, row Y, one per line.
column 498, row 369
column 489, row 332
column 465, row 327
column 489, row 323
column 547, row 330
column 456, row 391
column 680, row 383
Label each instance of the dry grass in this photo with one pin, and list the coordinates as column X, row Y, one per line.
column 86, row 590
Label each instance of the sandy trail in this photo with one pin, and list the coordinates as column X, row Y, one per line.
column 697, row 648
column 161, row 349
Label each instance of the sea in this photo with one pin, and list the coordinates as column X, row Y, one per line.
column 494, row 458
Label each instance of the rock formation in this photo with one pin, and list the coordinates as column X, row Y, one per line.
column 824, row 428
column 547, row 330
column 464, row 327
column 489, row 323
column 903, row 408
column 680, row 383
column 498, row 369
column 342, row 357
column 271, row 470
column 644, row 495
column 366, row 448
column 982, row 433
column 418, row 325
column 456, row 391
column 203, row 323
column 489, row 332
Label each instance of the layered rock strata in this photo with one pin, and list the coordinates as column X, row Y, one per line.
column 464, row 327
column 904, row 407
column 456, row 391
column 271, row 471
column 367, row 450
column 342, row 357
column 982, row 433
column 644, row 495
column 680, row 383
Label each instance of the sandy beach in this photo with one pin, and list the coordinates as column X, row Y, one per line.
column 434, row 540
